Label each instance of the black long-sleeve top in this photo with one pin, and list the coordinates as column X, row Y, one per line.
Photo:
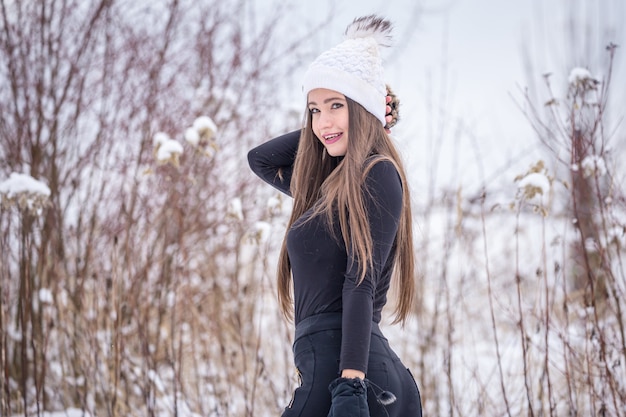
column 324, row 274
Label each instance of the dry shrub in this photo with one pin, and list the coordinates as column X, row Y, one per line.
column 137, row 290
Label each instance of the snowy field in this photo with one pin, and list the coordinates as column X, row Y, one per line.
column 138, row 251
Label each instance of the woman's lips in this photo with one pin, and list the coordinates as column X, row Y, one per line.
column 330, row 139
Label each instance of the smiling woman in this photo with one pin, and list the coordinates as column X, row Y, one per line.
column 349, row 237
column 329, row 120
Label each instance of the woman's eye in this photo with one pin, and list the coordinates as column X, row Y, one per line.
column 314, row 110
column 337, row 105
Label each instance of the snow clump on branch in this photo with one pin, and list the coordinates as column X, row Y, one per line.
column 167, row 150
column 593, row 166
column 581, row 79
column 25, row 192
column 201, row 135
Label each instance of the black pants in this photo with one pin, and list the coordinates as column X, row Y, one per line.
column 316, row 351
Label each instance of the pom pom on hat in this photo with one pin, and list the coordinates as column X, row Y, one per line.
column 354, row 67
column 370, row 26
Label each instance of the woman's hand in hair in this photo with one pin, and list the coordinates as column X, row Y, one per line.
column 388, row 116
column 392, row 114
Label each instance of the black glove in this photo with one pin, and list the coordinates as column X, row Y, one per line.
column 349, row 398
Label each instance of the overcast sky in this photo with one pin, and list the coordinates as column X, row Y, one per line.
column 462, row 62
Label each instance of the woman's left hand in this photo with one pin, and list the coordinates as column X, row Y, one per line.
column 349, row 398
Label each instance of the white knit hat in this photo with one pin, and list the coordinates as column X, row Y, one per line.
column 354, row 67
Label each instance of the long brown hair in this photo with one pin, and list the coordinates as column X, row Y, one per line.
column 331, row 187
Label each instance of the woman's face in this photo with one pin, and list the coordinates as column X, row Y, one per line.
column 329, row 118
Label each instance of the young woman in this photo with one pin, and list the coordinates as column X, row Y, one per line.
column 349, row 235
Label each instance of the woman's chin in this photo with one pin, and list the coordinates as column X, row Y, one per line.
column 333, row 151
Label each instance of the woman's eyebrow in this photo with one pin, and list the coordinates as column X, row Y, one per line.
column 326, row 101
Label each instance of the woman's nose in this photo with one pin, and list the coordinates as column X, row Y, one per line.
column 325, row 119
